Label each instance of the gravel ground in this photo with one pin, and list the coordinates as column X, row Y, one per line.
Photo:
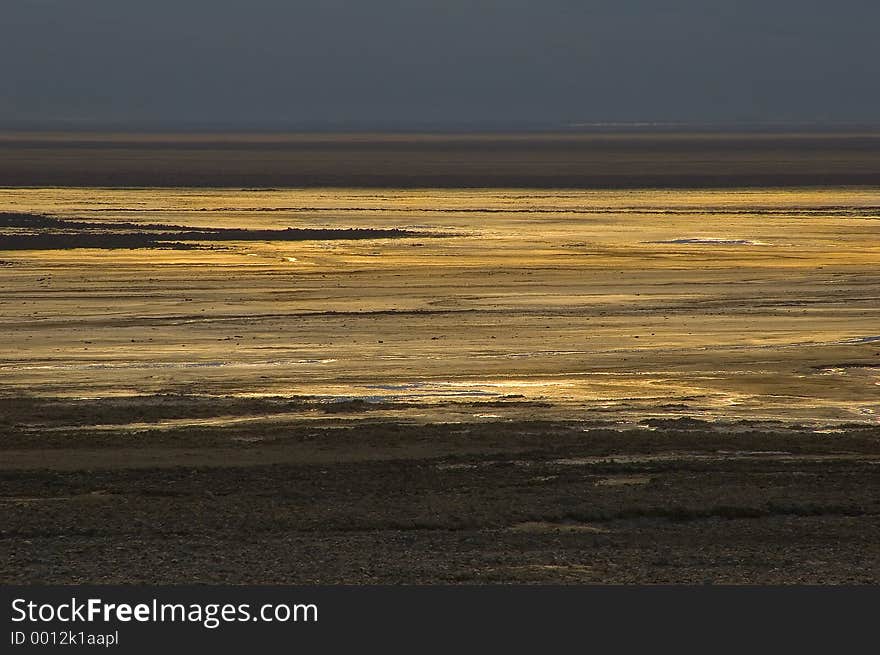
column 379, row 502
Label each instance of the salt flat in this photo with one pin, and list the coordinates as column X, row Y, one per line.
column 575, row 304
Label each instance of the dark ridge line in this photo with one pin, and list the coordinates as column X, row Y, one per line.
column 185, row 232
column 28, row 220
column 57, row 234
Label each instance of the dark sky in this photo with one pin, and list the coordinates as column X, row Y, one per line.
column 421, row 62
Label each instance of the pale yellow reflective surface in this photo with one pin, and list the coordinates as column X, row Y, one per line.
column 598, row 304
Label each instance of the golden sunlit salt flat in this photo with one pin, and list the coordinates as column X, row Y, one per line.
column 714, row 304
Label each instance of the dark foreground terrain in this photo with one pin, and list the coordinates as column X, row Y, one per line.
column 338, row 500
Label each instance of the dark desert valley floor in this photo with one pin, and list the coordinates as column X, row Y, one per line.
column 401, row 359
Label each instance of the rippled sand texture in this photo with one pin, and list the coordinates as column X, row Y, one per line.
column 599, row 304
